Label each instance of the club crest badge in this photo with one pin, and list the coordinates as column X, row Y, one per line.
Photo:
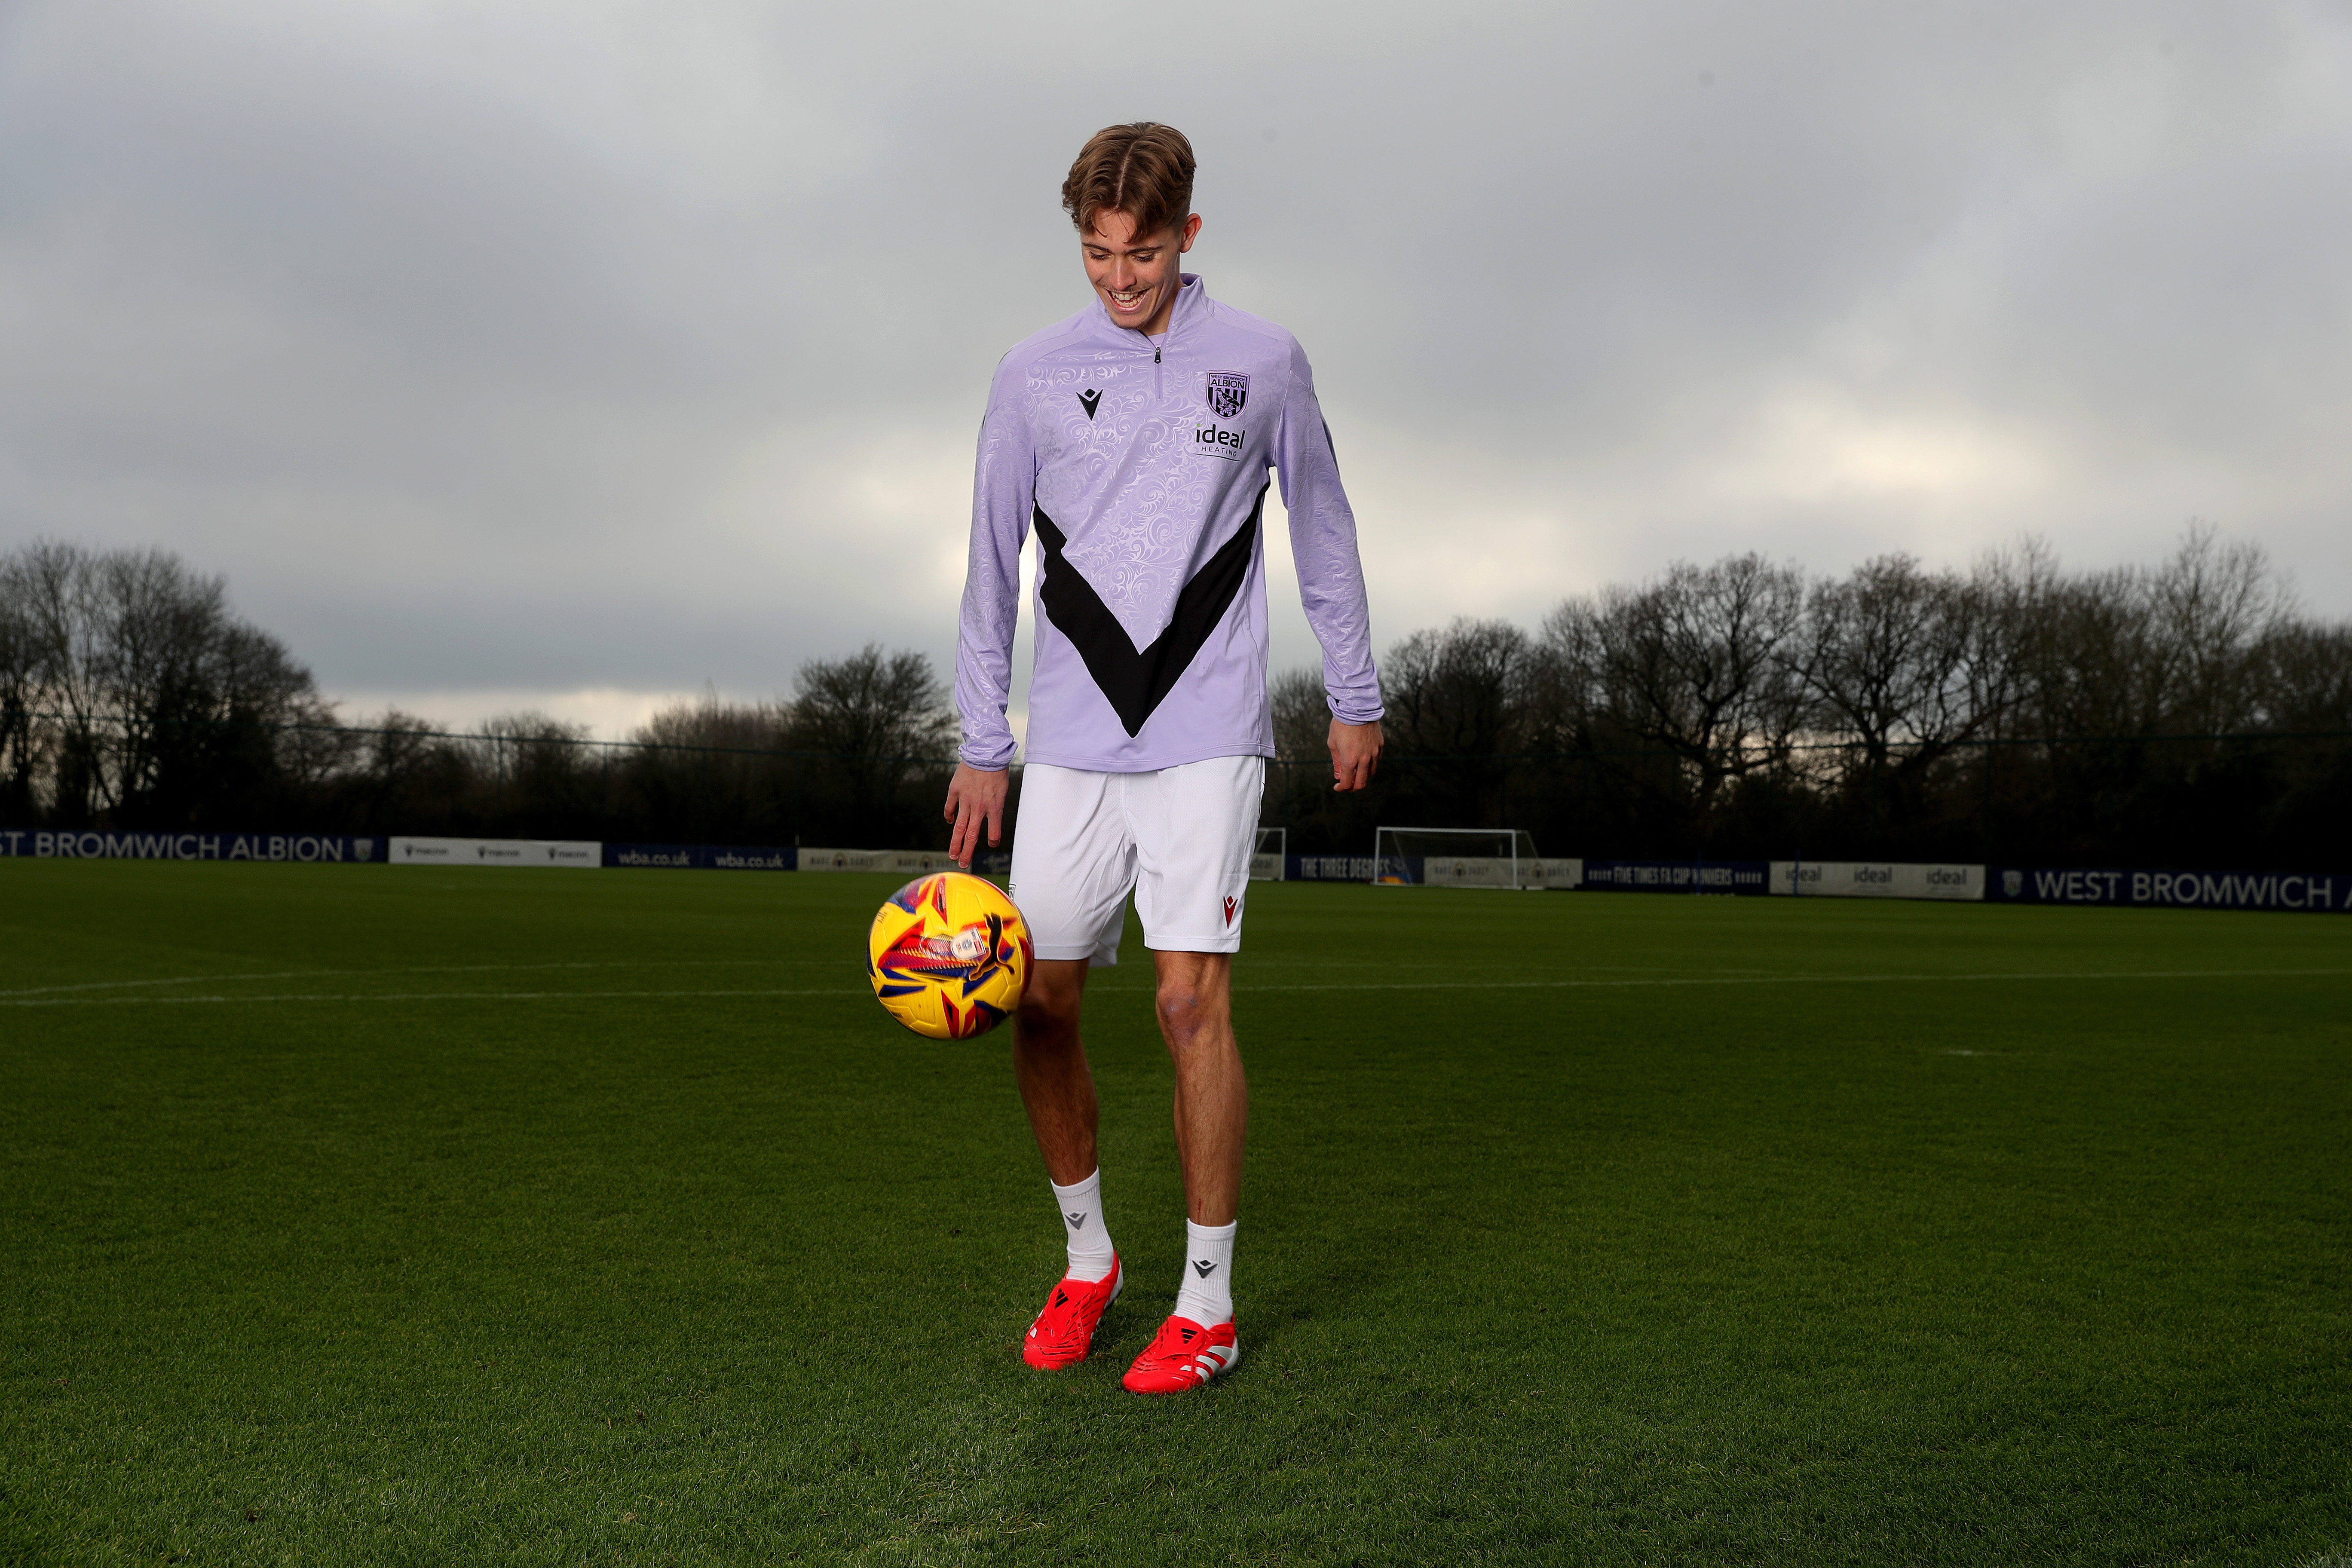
column 1228, row 390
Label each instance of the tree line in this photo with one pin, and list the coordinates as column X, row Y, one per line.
column 131, row 697
column 2187, row 714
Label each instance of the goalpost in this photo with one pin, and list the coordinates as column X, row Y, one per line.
column 1270, row 860
column 1455, row 857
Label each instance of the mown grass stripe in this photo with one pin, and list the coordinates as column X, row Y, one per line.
column 17, row 999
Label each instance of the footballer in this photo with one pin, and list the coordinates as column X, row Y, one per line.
column 1135, row 440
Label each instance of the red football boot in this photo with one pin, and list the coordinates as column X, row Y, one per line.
column 1184, row 1354
column 1065, row 1332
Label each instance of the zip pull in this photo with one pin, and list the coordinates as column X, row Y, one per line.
column 1155, row 357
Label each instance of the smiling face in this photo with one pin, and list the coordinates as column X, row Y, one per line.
column 1137, row 276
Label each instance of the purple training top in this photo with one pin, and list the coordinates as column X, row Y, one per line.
column 1143, row 468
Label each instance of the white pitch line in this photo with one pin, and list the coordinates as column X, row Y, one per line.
column 1372, row 985
column 423, row 969
column 281, row 974
column 398, row 996
column 1806, row 980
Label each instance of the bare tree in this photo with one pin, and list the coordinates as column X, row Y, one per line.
column 133, row 692
column 873, row 712
column 2134, row 652
column 155, row 626
column 1697, row 662
column 2211, row 608
column 51, row 583
column 2307, row 677
column 712, row 727
column 717, row 770
column 1904, row 667
column 1884, row 653
column 22, row 662
column 880, row 722
column 1454, row 701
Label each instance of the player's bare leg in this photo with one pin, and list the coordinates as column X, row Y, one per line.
column 1196, row 1019
column 1049, row 1064
column 1057, row 1089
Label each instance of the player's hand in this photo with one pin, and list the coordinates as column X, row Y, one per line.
column 975, row 795
column 1354, row 755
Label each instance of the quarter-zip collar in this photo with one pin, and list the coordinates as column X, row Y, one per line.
column 1191, row 308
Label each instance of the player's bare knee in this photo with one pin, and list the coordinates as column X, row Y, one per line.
column 1188, row 1010
column 1048, row 1014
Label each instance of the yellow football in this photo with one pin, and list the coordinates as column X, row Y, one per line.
column 949, row 956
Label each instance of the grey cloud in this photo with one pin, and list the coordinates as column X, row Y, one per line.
column 576, row 346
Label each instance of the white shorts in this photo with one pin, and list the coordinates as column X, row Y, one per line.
column 1180, row 838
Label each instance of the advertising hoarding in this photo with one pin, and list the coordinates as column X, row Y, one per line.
column 2316, row 892
column 1745, row 878
column 306, row 849
column 701, row 857
column 565, row 854
column 1877, row 880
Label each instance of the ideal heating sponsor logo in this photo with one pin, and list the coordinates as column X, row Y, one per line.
column 1877, row 880
column 1211, row 440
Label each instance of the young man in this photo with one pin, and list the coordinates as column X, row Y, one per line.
column 1135, row 439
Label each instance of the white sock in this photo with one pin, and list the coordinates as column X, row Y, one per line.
column 1091, row 1256
column 1207, row 1297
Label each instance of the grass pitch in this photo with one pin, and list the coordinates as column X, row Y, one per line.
column 390, row 1216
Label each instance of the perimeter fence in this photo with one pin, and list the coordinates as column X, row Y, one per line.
column 2195, row 801
column 2220, row 801
column 2305, row 892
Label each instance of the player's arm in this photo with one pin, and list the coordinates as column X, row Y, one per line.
column 1004, row 494
column 1331, row 579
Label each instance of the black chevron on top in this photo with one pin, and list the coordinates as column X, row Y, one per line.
column 1136, row 683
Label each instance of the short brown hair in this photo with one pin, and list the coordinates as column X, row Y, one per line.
column 1144, row 170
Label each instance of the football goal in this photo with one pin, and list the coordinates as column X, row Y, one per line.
column 1455, row 857
column 1271, row 858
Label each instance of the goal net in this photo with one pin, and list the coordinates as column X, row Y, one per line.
column 1455, row 857
column 1270, row 860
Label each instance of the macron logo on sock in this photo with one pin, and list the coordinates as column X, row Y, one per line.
column 1203, row 1267
column 1077, row 1221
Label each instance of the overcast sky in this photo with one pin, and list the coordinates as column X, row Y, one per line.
column 576, row 353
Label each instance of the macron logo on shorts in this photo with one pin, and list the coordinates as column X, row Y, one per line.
column 1232, row 907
